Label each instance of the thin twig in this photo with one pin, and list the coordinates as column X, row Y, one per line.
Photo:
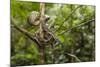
column 77, row 26
column 68, row 17
column 74, row 56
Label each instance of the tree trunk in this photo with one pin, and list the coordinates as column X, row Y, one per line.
column 42, row 55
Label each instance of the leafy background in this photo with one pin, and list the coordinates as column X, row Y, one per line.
column 79, row 42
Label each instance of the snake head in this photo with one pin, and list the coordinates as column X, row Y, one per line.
column 34, row 16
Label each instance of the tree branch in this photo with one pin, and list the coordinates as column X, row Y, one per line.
column 77, row 26
column 23, row 31
column 74, row 56
column 42, row 48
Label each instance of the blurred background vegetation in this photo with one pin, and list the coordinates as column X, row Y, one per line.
column 65, row 21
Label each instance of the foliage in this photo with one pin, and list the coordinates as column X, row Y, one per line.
column 79, row 42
